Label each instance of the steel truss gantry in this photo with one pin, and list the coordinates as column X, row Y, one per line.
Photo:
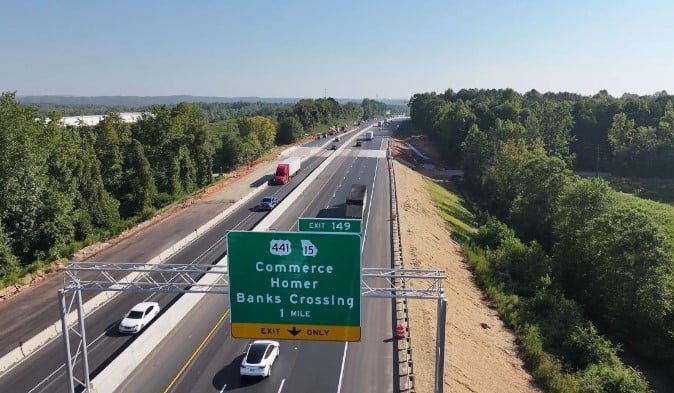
column 386, row 283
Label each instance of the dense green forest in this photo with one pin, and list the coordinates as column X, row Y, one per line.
column 559, row 248
column 629, row 136
column 63, row 187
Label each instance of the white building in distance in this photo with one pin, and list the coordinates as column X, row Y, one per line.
column 92, row 120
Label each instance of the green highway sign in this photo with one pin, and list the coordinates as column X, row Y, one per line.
column 294, row 285
column 338, row 225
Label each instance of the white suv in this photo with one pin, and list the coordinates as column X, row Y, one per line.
column 260, row 357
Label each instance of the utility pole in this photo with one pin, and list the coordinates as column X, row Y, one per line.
column 325, row 93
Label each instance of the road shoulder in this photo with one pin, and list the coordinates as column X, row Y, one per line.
column 481, row 353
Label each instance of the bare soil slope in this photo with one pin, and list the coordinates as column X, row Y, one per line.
column 481, row 354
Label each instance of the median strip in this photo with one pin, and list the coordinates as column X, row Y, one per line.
column 123, row 365
column 30, row 346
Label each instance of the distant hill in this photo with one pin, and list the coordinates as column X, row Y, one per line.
column 142, row 101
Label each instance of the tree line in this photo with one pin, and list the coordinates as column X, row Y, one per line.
column 628, row 136
column 215, row 111
column 243, row 140
column 62, row 187
column 372, row 109
column 562, row 248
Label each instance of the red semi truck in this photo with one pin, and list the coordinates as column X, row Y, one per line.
column 286, row 169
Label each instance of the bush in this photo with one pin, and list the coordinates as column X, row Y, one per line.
column 547, row 371
column 519, row 267
column 493, row 233
column 584, row 347
column 289, row 130
column 612, row 378
column 162, row 199
column 147, row 213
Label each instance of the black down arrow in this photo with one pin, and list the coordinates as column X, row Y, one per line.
column 294, row 331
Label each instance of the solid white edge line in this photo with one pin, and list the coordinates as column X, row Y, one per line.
column 281, row 387
column 369, row 206
column 346, row 344
column 341, row 372
column 126, row 362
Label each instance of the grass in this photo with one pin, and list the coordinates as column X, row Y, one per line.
column 660, row 190
column 452, row 209
column 662, row 213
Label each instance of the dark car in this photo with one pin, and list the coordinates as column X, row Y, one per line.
column 333, row 147
column 359, row 144
column 267, row 203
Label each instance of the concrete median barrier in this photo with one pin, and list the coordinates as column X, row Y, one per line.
column 25, row 349
column 31, row 345
column 108, row 380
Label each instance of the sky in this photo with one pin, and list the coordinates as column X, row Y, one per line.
column 344, row 48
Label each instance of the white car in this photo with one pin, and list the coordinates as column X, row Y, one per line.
column 259, row 359
column 140, row 315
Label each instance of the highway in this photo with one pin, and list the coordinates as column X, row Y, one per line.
column 45, row 370
column 200, row 355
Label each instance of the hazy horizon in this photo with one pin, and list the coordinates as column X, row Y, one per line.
column 348, row 49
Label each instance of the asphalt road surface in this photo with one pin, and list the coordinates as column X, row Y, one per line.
column 200, row 355
column 354, row 367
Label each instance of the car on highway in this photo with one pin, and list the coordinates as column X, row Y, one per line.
column 267, row 203
column 140, row 316
column 333, row 147
column 359, row 144
column 337, row 139
column 259, row 358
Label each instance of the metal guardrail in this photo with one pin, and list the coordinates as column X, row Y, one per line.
column 186, row 278
column 405, row 365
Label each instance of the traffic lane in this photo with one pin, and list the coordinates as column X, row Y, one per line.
column 317, row 195
column 47, row 365
column 47, row 373
column 217, row 353
column 141, row 247
column 377, row 142
column 49, row 360
column 319, row 364
column 136, row 249
column 328, row 194
column 206, row 323
column 370, row 363
column 330, row 378
column 316, row 369
column 315, row 353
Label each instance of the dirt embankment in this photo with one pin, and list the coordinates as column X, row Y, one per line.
column 480, row 353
